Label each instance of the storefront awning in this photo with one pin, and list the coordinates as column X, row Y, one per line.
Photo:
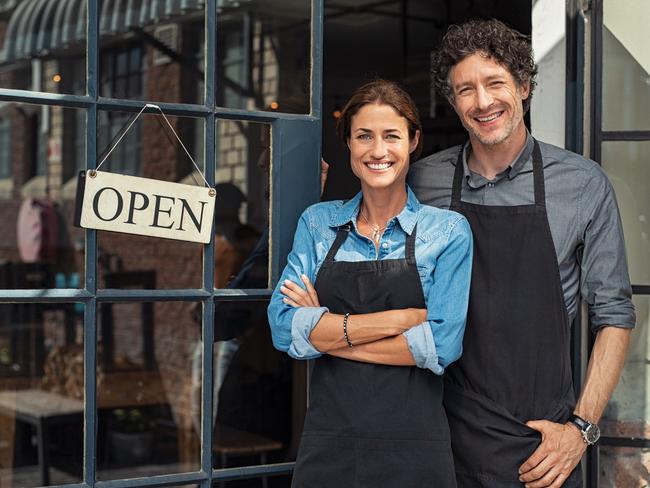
column 38, row 27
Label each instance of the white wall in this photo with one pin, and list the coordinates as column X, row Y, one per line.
column 548, row 104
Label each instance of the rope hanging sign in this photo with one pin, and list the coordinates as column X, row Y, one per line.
column 143, row 206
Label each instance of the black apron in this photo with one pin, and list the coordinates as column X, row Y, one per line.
column 516, row 364
column 371, row 425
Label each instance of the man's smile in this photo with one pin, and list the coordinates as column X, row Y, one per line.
column 490, row 117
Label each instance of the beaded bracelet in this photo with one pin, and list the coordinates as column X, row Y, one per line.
column 345, row 329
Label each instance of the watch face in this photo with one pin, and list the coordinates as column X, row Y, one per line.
column 592, row 434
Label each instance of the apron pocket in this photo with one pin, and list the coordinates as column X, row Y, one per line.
column 489, row 443
column 324, row 462
column 404, row 464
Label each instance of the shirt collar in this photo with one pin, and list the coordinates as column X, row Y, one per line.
column 348, row 212
column 518, row 164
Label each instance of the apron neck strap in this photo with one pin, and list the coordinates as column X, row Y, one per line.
column 341, row 236
column 459, row 173
column 410, row 245
column 538, row 176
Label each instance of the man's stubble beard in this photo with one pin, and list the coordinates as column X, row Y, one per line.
column 499, row 138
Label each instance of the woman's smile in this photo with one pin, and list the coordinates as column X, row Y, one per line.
column 378, row 166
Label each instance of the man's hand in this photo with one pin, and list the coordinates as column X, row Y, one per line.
column 324, row 168
column 297, row 296
column 553, row 461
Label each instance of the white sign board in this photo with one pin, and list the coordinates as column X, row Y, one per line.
column 133, row 205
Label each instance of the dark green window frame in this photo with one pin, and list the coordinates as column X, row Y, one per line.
column 295, row 183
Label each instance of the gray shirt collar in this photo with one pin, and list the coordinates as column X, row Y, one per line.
column 523, row 159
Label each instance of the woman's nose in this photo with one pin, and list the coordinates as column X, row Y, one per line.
column 379, row 148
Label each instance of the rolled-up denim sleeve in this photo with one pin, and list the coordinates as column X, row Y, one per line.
column 290, row 326
column 423, row 347
column 447, row 302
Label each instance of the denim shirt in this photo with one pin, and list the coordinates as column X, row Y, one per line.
column 443, row 251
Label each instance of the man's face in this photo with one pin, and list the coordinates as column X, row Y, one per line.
column 487, row 99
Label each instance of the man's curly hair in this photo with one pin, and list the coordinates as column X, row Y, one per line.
column 491, row 38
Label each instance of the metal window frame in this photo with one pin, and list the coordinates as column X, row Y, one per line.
column 295, row 141
column 598, row 136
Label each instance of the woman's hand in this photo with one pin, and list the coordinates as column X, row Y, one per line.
column 297, row 296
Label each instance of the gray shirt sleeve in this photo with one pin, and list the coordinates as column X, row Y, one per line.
column 605, row 283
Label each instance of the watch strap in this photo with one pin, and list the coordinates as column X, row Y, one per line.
column 579, row 422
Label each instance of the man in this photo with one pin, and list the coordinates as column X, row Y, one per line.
column 546, row 228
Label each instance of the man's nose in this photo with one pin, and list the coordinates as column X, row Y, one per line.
column 483, row 98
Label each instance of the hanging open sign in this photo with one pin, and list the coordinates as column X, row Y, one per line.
column 143, row 206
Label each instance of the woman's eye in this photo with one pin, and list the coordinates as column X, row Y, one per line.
column 393, row 136
column 364, row 137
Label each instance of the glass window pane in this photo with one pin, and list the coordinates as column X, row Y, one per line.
column 44, row 46
column 148, row 389
column 626, row 65
column 41, row 394
column 628, row 169
column 152, row 50
column 263, row 55
column 42, row 149
column 623, row 466
column 150, row 150
column 627, row 414
column 259, row 393
column 242, row 209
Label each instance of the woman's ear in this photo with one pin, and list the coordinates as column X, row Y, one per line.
column 347, row 141
column 414, row 142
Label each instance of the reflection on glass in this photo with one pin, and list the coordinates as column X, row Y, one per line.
column 145, row 390
column 43, row 45
column 627, row 413
column 41, row 150
column 626, row 66
column 623, row 466
column 263, row 58
column 41, row 394
column 242, row 210
column 259, row 393
column 627, row 166
column 152, row 50
column 150, row 150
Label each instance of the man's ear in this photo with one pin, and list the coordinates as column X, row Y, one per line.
column 524, row 90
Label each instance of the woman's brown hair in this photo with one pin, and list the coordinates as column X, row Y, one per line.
column 382, row 92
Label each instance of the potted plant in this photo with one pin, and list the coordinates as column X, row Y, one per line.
column 131, row 436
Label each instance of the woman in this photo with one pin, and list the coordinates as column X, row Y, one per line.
column 386, row 314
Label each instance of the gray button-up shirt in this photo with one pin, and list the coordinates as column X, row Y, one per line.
column 582, row 213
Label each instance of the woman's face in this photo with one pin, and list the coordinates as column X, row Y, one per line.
column 380, row 146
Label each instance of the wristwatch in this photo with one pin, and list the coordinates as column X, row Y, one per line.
column 590, row 432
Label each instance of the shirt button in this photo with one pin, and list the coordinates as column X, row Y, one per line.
column 385, row 245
